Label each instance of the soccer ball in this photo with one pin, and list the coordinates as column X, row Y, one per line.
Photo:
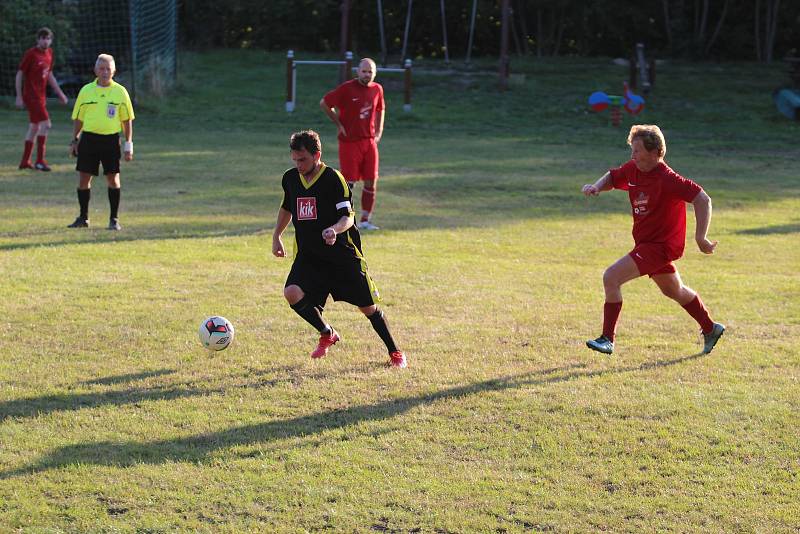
column 216, row 333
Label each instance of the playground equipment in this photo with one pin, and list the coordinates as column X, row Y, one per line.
column 347, row 65
column 505, row 18
column 632, row 103
column 787, row 100
column 643, row 72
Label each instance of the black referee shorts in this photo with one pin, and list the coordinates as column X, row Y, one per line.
column 94, row 149
column 349, row 282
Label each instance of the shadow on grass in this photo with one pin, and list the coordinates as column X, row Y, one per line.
column 197, row 448
column 147, row 233
column 254, row 379
column 121, row 379
column 776, row 229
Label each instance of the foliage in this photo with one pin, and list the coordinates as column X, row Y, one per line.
column 114, row 419
column 19, row 21
column 670, row 28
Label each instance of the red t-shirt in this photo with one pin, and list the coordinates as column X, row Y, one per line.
column 658, row 202
column 36, row 65
column 359, row 106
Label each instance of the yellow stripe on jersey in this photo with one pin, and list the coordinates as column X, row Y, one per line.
column 308, row 183
column 345, row 190
column 102, row 110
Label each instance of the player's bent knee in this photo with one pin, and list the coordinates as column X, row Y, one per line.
column 610, row 279
column 368, row 310
column 293, row 294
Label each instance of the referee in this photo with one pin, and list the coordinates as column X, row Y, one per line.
column 102, row 109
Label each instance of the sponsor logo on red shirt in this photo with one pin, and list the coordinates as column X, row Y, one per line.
column 306, row 208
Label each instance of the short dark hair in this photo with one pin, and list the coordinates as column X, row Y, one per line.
column 44, row 31
column 308, row 139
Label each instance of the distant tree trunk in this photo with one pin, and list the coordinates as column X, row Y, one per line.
column 667, row 22
column 701, row 34
column 773, row 28
column 560, row 27
column 523, row 26
column 757, row 27
column 539, row 32
column 514, row 33
column 714, row 36
column 765, row 41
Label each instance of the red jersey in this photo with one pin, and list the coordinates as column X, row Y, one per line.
column 36, row 65
column 657, row 203
column 359, row 106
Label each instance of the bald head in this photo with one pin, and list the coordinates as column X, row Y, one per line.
column 366, row 71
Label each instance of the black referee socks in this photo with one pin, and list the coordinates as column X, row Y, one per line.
column 113, row 201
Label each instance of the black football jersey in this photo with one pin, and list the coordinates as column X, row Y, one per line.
column 316, row 204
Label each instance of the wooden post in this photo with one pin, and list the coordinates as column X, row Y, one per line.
column 407, row 92
column 344, row 37
column 289, row 81
column 641, row 61
column 348, row 65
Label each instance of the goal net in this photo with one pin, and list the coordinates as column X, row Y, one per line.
column 140, row 34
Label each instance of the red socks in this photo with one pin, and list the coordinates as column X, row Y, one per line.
column 698, row 311
column 611, row 311
column 26, row 155
column 40, row 148
column 695, row 308
column 367, row 202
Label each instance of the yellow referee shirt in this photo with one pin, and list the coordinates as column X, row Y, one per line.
column 102, row 109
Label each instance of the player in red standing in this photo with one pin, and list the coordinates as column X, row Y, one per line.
column 658, row 196
column 35, row 72
column 360, row 126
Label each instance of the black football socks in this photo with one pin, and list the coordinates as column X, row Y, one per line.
column 309, row 311
column 379, row 324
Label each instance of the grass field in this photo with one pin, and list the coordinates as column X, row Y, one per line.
column 114, row 419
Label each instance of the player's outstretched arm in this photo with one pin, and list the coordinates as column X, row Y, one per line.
column 284, row 218
column 702, row 215
column 603, row 184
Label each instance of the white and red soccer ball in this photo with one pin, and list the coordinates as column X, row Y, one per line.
column 216, row 333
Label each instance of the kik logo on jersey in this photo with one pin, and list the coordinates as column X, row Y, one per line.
column 306, row 208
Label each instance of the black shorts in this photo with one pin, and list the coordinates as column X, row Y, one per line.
column 94, row 149
column 349, row 282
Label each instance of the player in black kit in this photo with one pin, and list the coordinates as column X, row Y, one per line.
column 328, row 258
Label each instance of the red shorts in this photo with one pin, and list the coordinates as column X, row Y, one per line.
column 358, row 160
column 653, row 258
column 37, row 110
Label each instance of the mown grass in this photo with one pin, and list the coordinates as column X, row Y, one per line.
column 114, row 419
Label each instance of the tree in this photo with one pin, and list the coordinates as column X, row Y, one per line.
column 765, row 31
column 687, row 26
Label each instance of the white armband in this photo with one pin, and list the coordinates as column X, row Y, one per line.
column 128, row 147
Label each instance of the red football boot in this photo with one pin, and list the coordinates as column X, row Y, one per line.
column 398, row 359
column 325, row 342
